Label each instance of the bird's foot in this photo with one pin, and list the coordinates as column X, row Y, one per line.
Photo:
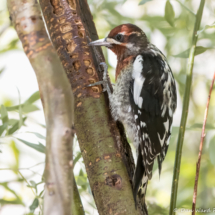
column 105, row 78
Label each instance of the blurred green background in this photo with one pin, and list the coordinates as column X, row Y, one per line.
column 22, row 124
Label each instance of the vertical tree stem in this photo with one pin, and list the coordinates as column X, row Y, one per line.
column 57, row 99
column 106, row 152
column 185, row 111
column 200, row 149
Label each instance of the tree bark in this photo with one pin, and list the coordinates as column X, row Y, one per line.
column 57, row 99
column 106, row 152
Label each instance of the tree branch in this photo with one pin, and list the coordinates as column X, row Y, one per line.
column 186, row 8
column 185, row 111
column 200, row 149
column 57, row 99
column 105, row 150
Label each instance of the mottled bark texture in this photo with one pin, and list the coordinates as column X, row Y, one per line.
column 106, row 152
column 57, row 99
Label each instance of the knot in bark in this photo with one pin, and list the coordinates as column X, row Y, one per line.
column 114, row 181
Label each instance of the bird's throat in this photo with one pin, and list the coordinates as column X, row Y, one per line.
column 122, row 64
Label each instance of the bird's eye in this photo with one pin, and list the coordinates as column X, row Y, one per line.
column 118, row 37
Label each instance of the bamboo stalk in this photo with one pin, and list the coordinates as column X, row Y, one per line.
column 200, row 149
column 185, row 111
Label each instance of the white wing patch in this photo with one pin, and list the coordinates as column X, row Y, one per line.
column 161, row 140
column 138, row 80
column 166, row 125
column 140, row 102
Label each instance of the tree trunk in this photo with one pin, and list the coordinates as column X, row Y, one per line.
column 57, row 99
column 106, row 152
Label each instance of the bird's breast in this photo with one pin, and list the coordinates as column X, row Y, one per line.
column 120, row 105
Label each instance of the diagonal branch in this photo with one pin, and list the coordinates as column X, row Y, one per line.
column 186, row 8
column 200, row 149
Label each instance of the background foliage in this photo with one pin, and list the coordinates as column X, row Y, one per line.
column 168, row 25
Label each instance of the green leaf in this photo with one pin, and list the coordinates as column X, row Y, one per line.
column 43, row 126
column 12, row 121
column 34, row 205
column 212, row 150
column 37, row 134
column 16, row 154
column 206, row 27
column 76, row 159
column 15, row 201
column 34, row 185
column 20, row 110
column 81, row 173
column 1, row 70
column 12, row 108
column 199, row 50
column 11, row 202
column 29, row 108
column 12, row 45
column 144, row 1
column 2, row 128
column 20, row 117
column 38, row 147
column 26, row 108
column 34, row 97
column 81, row 180
column 4, row 114
column 41, row 193
column 15, row 127
column 169, row 13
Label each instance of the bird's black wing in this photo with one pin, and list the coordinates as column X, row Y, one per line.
column 153, row 102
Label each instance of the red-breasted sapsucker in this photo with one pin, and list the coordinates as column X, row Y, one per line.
column 144, row 97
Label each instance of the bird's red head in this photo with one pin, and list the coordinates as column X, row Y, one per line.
column 124, row 40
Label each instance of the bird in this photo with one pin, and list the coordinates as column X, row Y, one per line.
column 144, row 98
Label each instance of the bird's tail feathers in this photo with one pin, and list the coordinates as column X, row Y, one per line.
column 140, row 180
column 143, row 188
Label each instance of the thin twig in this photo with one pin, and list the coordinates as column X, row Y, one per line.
column 27, row 183
column 35, row 173
column 200, row 149
column 186, row 8
column 33, row 165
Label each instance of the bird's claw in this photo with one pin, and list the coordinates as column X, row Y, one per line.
column 105, row 67
column 95, row 84
column 105, row 78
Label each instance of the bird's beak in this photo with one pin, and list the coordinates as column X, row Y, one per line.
column 101, row 42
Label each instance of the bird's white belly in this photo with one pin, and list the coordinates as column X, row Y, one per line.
column 120, row 106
